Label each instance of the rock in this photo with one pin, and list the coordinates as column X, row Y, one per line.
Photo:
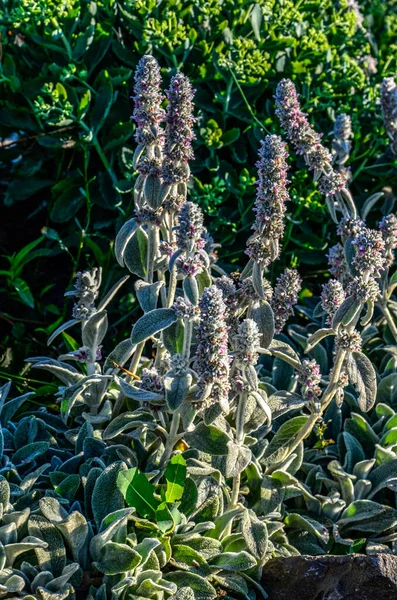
column 351, row 577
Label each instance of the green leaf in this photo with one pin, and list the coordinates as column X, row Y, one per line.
column 176, row 389
column 175, row 475
column 208, row 439
column 106, row 494
column 237, row 459
column 387, row 389
column 234, row 561
column 256, row 20
column 67, row 199
column 135, row 253
column 117, row 558
column 138, row 492
column 23, row 291
column 201, row 588
column 151, row 323
column 231, row 136
column 306, row 523
column 278, row 448
column 362, row 375
column 164, row 518
column 346, row 312
column 102, row 106
column 255, row 535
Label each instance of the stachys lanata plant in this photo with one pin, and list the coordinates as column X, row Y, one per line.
column 179, row 463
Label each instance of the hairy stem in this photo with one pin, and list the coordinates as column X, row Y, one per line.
column 389, row 318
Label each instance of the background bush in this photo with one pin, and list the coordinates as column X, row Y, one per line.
column 65, row 159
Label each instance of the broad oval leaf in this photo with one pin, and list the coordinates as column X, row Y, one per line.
column 151, row 323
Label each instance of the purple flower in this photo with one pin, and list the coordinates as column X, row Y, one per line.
column 246, row 342
column 285, row 297
column 337, row 263
column 179, row 132
column 332, row 296
column 370, row 253
column 271, row 196
column 147, row 97
column 389, row 110
column 190, row 228
column 306, row 140
column 364, row 290
column 348, row 340
column 211, row 361
column 309, row 377
column 388, row 229
column 342, row 134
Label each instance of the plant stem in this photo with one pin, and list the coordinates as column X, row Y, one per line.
column 390, row 321
column 171, row 440
column 133, row 368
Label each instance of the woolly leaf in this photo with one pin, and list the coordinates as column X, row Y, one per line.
column 255, row 535
column 176, row 389
column 106, row 493
column 363, row 377
column 208, row 439
column 151, row 323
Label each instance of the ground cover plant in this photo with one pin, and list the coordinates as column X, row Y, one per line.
column 216, row 435
column 65, row 157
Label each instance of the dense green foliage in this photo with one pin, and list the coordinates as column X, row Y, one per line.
column 66, row 78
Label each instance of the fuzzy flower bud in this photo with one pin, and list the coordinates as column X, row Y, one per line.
column 306, row 140
column 211, row 361
column 337, row 263
column 184, row 309
column 370, row 251
column 272, row 194
column 350, row 341
column 342, row 134
column 86, row 289
column 388, row 229
column 151, row 381
column 285, row 297
column 229, row 293
column 332, row 296
column 389, row 110
column 349, row 227
column 179, row 130
column 246, row 342
column 190, row 227
column 246, row 291
column 309, row 377
column 363, row 290
column 147, row 97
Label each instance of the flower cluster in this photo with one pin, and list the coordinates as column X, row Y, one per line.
column 342, row 134
column 246, row 342
column 337, row 263
column 211, row 361
column 388, row 229
column 348, row 227
column 363, row 289
column 389, row 110
column 86, row 289
column 348, row 340
column 272, row 194
column 306, row 140
column 184, row 309
column 246, row 291
column 229, row 293
column 179, row 130
column 151, row 380
column 285, row 297
column 147, row 97
column 332, row 296
column 370, row 253
column 309, row 377
column 190, row 228
column 84, row 355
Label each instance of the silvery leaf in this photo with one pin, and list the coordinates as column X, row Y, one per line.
column 122, row 239
column 261, row 312
column 362, row 375
column 94, row 330
column 139, row 394
column 151, row 323
column 176, row 389
column 147, row 294
column 61, row 328
column 120, row 354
